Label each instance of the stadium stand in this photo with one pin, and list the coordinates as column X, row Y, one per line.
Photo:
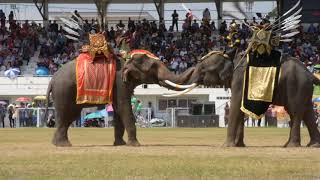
column 28, row 45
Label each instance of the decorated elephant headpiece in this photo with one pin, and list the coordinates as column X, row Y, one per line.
column 98, row 45
column 270, row 34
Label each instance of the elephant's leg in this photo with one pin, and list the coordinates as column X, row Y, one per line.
column 236, row 116
column 309, row 119
column 118, row 130
column 294, row 137
column 129, row 123
column 122, row 97
column 240, row 133
column 64, row 118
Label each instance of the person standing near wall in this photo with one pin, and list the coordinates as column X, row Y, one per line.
column 11, row 120
column 2, row 114
column 152, row 110
column 273, row 116
column 175, row 18
column 268, row 116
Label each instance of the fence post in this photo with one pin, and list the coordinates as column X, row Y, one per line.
column 172, row 117
column 38, row 117
column 149, row 117
column 106, row 121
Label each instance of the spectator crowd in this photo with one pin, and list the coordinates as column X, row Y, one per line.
column 178, row 48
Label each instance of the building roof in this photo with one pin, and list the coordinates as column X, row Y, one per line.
column 112, row 17
column 117, row 1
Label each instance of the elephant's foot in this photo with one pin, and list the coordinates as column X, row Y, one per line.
column 229, row 144
column 314, row 144
column 292, row 144
column 133, row 143
column 61, row 143
column 119, row 142
column 240, row 144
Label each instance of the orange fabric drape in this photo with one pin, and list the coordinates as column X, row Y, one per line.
column 95, row 79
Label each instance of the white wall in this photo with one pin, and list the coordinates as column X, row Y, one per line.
column 10, row 89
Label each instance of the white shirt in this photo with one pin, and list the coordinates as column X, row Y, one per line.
column 174, row 64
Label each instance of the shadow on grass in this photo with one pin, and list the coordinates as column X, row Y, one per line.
column 177, row 145
column 149, row 145
column 93, row 145
column 183, row 145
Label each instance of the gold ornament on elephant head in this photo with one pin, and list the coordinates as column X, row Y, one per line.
column 98, row 45
column 260, row 41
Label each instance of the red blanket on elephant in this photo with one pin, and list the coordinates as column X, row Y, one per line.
column 95, row 78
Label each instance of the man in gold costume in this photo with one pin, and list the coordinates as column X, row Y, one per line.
column 233, row 38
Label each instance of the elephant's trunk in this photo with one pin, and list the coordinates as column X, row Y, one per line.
column 165, row 76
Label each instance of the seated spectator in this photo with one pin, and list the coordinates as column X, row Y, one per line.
column 8, row 66
column 195, row 25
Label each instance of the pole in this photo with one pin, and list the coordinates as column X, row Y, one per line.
column 149, row 116
column 160, row 8
column 219, row 7
column 106, row 120
column 102, row 11
column 172, row 117
column 45, row 12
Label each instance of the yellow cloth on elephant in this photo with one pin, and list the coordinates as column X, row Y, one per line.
column 261, row 83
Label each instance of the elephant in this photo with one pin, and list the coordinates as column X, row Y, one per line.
column 140, row 69
column 294, row 92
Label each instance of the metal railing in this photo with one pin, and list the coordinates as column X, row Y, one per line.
column 32, row 117
column 172, row 115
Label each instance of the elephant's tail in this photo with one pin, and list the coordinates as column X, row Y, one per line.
column 47, row 100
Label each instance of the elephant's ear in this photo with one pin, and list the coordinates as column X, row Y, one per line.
column 144, row 62
column 226, row 72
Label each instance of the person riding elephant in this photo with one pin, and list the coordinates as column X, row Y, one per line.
column 123, row 41
column 233, row 38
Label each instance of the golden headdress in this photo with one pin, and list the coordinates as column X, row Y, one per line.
column 98, row 45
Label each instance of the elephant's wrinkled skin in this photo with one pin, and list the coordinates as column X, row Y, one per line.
column 63, row 89
column 294, row 93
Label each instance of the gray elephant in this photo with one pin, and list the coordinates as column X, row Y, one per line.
column 294, row 93
column 140, row 69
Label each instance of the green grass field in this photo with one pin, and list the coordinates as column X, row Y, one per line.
column 165, row 154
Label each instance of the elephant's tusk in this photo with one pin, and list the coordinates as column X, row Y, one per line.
column 180, row 86
column 179, row 93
